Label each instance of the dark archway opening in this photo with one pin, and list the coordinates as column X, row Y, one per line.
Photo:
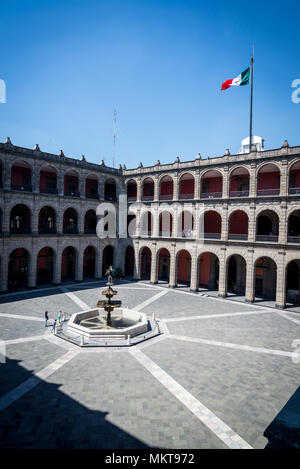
column 45, row 263
column 129, row 261
column 18, row 264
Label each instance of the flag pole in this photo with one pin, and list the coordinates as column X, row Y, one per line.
column 251, row 100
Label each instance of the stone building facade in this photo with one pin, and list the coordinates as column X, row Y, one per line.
column 230, row 223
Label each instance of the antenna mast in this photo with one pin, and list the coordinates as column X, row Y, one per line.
column 114, row 137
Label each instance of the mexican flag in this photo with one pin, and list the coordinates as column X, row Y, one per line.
column 242, row 79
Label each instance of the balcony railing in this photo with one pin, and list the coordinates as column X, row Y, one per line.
column 263, row 192
column 268, row 238
column 186, row 234
column 211, row 195
column 70, row 231
column 165, row 234
column 110, row 198
column 90, row 231
column 212, row 235
column 131, row 199
column 166, row 197
column 22, row 187
column 294, row 190
column 49, row 190
column 91, row 196
column 238, row 237
column 72, row 194
column 186, row 196
column 147, row 197
column 47, row 230
column 239, row 193
column 20, row 231
column 294, row 239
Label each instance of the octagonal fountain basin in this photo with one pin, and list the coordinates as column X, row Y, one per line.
column 124, row 322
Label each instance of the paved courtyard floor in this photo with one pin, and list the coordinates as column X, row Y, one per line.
column 216, row 377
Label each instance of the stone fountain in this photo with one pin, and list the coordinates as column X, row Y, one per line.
column 118, row 326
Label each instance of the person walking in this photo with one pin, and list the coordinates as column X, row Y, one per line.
column 59, row 317
column 54, row 325
column 46, row 318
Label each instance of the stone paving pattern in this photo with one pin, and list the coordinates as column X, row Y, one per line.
column 106, row 399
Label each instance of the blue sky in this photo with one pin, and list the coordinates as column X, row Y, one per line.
column 68, row 64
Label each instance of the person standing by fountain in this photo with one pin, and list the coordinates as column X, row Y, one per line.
column 46, row 318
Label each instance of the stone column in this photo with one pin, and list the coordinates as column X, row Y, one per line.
column 173, row 267
column 197, row 186
column 6, row 218
column 81, row 186
column 156, row 188
column 4, row 269
column 175, row 215
column 194, row 283
column 175, row 188
column 137, row 266
column 138, row 189
column 153, row 278
column 250, row 277
column 283, row 224
column 35, row 179
column 155, row 231
column 31, row 281
column 6, row 175
column 80, row 218
column 60, row 182
column 57, row 267
column 98, row 264
column 251, row 224
column 281, row 281
column 225, row 193
column 284, row 179
column 225, row 221
column 252, row 180
column 79, row 265
column 101, row 187
column 222, row 275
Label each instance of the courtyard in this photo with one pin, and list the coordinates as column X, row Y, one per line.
column 215, row 378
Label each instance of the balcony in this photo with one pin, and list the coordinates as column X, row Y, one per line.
column 47, row 231
column 92, row 196
column 70, row 193
column 166, row 197
column 22, row 187
column 20, row 231
column 71, row 231
column 110, row 198
column 267, row 238
column 238, row 237
column 49, row 190
column 211, row 195
column 294, row 239
column 186, row 196
column 131, row 199
column 294, row 190
column 148, row 198
column 266, row 192
column 239, row 193
column 212, row 235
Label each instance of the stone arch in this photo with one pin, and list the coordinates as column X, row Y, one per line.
column 268, row 179
column 21, row 175
column 186, row 185
column 147, row 188
column 211, row 182
column 212, row 224
column 163, row 264
column 48, row 179
column 89, row 261
column 265, row 278
column 131, row 190
column 110, row 189
column 20, row 219
column 129, row 261
column 294, row 226
column 267, row 226
column 91, row 186
column 146, row 223
column 239, row 178
column 185, row 224
column 236, row 270
column 238, row 222
column 90, row 222
column 166, row 187
column 165, row 224
column 71, row 183
column 68, row 263
column 292, row 287
column 294, row 177
column 183, row 267
column 45, row 265
column 47, row 220
column 208, row 270
column 18, row 268
column 70, row 221
column 107, row 258
column 145, row 256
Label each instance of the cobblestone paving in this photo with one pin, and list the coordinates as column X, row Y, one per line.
column 108, row 399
